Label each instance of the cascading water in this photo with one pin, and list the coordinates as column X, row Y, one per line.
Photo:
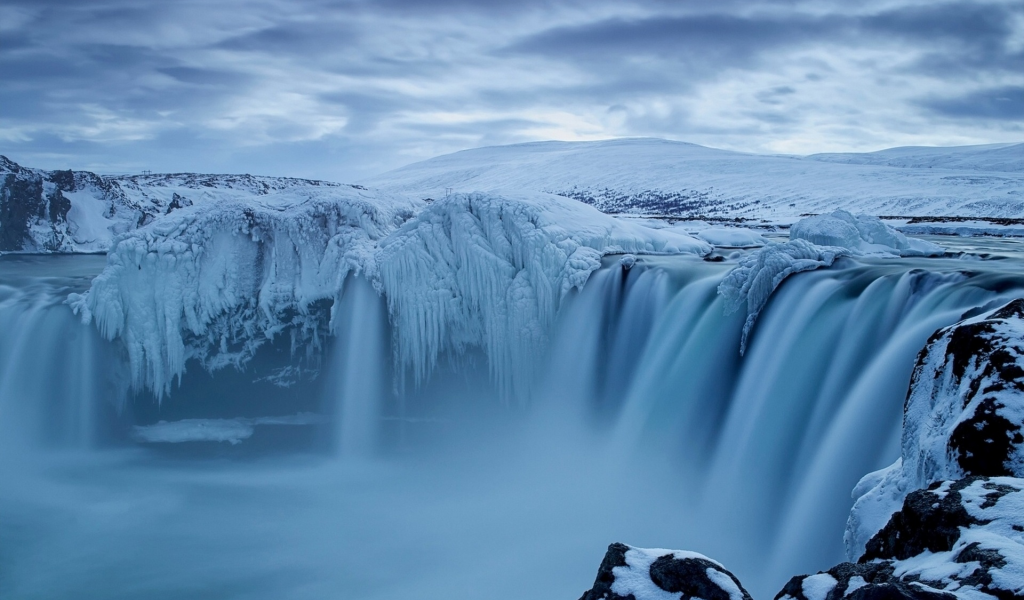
column 646, row 426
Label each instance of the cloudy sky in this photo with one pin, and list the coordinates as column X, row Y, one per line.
column 341, row 89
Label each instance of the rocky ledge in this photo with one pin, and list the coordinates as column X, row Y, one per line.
column 945, row 521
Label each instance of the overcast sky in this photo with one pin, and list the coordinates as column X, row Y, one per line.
column 341, row 89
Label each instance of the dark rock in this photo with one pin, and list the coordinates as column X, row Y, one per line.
column 602, row 590
column 688, row 573
column 865, row 581
column 929, row 521
column 986, row 442
column 690, row 576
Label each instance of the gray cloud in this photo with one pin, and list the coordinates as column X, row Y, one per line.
column 1004, row 103
column 340, row 89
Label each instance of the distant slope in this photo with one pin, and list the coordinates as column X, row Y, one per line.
column 655, row 176
column 79, row 211
column 1006, row 158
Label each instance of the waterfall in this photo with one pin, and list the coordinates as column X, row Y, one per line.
column 749, row 458
column 357, row 378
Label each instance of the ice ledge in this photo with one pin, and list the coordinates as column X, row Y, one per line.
column 213, row 283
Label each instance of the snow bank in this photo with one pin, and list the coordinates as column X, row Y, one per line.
column 491, row 271
column 964, row 416
column 759, row 273
column 862, row 235
column 214, row 283
column 963, row 229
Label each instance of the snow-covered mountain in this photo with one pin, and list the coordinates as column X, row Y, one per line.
column 79, row 211
column 654, row 176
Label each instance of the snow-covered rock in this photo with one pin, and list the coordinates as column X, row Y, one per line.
column 79, row 211
column 862, row 235
column 752, row 282
column 629, row 573
column 964, row 416
column 215, row 282
column 962, row 539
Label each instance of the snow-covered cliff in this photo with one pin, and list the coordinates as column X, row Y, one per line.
column 79, row 211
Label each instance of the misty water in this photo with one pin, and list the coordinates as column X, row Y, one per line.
column 646, row 426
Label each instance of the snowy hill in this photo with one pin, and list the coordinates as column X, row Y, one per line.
column 1007, row 158
column 655, row 176
column 79, row 211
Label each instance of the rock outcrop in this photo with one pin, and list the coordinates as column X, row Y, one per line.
column 963, row 417
column 962, row 538
column 629, row 573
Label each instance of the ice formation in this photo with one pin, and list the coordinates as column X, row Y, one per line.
column 815, row 242
column 962, row 417
column 759, row 273
column 215, row 283
column 862, row 235
column 489, row 271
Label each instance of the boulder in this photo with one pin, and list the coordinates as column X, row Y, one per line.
column 629, row 573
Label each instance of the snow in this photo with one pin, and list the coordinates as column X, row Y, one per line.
column 966, row 228
column 816, row 587
column 651, row 176
column 215, row 282
column 88, row 224
column 1007, row 158
column 995, row 530
column 635, row 577
column 722, row 580
column 862, row 235
column 856, row 582
column 759, row 273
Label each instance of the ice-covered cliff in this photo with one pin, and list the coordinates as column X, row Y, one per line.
column 214, row 282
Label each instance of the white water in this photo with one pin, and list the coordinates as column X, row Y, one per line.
column 647, row 427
